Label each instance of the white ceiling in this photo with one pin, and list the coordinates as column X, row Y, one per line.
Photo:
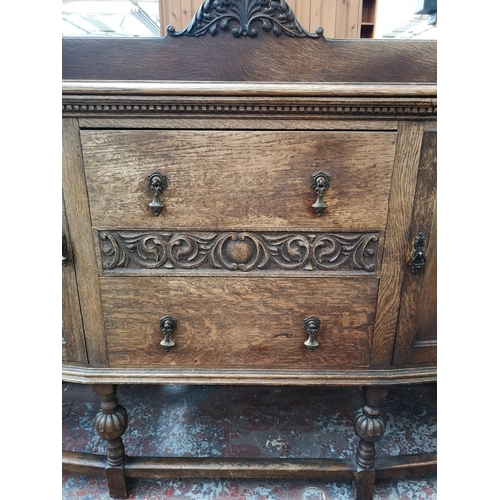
column 110, row 18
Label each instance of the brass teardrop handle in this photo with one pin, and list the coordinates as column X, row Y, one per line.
column 167, row 325
column 418, row 258
column 311, row 325
column 320, row 182
column 157, row 183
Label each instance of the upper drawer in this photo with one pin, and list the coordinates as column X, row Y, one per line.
column 238, row 178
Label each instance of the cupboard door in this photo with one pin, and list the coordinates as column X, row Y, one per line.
column 73, row 340
column 416, row 338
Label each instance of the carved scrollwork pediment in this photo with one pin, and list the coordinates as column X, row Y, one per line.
column 243, row 17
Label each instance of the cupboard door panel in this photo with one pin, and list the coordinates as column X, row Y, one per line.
column 416, row 338
column 73, row 340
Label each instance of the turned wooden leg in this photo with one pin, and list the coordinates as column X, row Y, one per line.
column 110, row 424
column 369, row 425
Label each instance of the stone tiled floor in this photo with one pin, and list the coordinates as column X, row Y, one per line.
column 245, row 421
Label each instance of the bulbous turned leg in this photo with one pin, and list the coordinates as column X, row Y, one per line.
column 111, row 423
column 369, row 425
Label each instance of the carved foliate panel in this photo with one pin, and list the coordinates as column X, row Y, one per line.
column 239, row 251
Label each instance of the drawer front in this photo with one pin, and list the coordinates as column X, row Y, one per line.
column 238, row 178
column 239, row 322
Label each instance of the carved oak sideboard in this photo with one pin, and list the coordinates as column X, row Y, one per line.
column 248, row 203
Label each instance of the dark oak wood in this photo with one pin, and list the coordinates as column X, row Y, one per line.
column 256, row 468
column 244, row 178
column 361, row 377
column 416, row 339
column 238, row 256
column 74, row 349
column 241, row 468
column 83, row 463
column 279, row 123
column 385, row 467
column 229, row 322
column 250, row 100
column 364, row 484
column 243, row 252
column 369, row 425
column 263, row 92
column 78, row 218
column 397, row 237
column 405, row 465
column 261, row 59
column 111, row 423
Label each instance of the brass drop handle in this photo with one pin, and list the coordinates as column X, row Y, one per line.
column 157, row 183
column 64, row 250
column 320, row 182
column 311, row 325
column 418, row 258
column 167, row 325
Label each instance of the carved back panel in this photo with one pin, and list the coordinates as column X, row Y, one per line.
column 249, row 40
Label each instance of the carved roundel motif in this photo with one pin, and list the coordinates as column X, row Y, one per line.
column 238, row 250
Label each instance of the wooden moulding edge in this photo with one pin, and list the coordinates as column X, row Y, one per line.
column 241, row 89
column 87, row 375
column 88, row 463
column 311, row 468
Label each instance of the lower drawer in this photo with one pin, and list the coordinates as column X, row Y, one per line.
column 239, row 322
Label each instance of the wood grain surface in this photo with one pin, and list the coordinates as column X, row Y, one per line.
column 224, row 178
column 245, row 376
column 397, row 241
column 259, row 90
column 155, row 467
column 78, row 218
column 417, row 323
column 181, row 252
column 265, row 58
column 236, row 124
column 243, row 323
column 322, row 468
column 74, row 349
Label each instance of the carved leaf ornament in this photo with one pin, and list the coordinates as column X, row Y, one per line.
column 243, row 251
column 273, row 15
